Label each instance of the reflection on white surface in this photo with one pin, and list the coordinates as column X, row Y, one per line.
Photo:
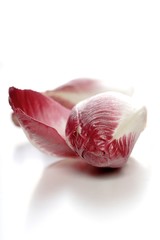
column 47, row 194
column 95, row 190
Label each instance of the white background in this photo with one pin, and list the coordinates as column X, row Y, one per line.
column 42, row 45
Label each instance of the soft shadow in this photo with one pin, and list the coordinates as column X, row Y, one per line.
column 26, row 151
column 95, row 189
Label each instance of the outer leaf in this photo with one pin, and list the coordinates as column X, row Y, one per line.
column 77, row 90
column 42, row 119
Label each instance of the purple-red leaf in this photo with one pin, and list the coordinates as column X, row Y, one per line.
column 77, row 90
column 104, row 129
column 42, row 119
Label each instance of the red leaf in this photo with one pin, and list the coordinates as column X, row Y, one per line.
column 42, row 119
column 77, row 90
